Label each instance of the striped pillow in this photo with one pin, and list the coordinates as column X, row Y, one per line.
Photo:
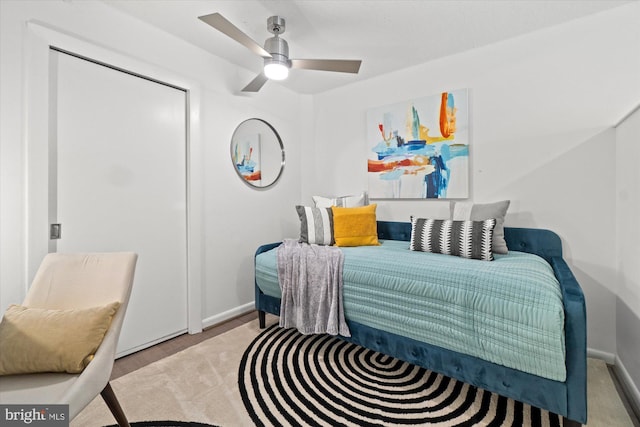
column 467, row 239
column 316, row 225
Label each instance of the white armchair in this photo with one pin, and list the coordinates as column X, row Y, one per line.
column 77, row 281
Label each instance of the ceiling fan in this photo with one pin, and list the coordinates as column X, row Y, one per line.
column 276, row 52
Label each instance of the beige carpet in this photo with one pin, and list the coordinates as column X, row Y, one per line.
column 200, row 384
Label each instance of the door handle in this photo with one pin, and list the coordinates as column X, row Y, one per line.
column 55, row 231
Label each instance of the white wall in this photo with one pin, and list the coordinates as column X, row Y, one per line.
column 236, row 218
column 542, row 108
column 628, row 238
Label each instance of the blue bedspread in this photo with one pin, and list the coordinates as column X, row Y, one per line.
column 508, row 311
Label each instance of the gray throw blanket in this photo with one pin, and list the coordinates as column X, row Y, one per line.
column 310, row 279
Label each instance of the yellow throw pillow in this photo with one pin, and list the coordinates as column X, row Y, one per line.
column 355, row 226
column 40, row 340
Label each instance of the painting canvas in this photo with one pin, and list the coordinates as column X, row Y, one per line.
column 246, row 157
column 419, row 149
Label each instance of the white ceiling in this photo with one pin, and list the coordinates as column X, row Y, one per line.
column 386, row 35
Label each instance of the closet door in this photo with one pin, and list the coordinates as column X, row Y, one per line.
column 118, row 183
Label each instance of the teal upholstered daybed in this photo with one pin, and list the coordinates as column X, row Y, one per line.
column 434, row 328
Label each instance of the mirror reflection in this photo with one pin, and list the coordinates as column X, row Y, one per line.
column 257, row 153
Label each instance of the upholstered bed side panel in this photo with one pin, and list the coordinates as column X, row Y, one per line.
column 500, row 379
column 544, row 243
column 575, row 339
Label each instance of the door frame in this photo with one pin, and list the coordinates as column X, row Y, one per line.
column 40, row 129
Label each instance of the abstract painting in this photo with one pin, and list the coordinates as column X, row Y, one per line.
column 419, row 149
column 246, row 157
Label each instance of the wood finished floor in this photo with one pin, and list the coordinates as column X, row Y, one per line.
column 137, row 360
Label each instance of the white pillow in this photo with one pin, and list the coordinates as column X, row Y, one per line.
column 342, row 201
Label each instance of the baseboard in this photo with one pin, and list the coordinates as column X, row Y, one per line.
column 631, row 390
column 608, row 358
column 229, row 314
column 150, row 343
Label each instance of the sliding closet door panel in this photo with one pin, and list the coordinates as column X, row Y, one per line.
column 120, row 185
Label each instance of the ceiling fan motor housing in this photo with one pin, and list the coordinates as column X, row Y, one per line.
column 279, row 50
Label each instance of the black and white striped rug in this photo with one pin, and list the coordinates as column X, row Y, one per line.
column 291, row 379
column 165, row 424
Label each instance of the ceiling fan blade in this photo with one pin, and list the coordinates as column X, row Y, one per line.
column 339, row 65
column 221, row 24
column 256, row 84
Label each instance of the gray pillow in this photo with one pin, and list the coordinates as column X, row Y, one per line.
column 480, row 212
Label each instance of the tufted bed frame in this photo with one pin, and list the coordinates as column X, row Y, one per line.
column 568, row 399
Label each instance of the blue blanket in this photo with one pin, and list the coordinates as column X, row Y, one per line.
column 508, row 311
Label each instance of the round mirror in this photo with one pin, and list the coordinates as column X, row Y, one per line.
column 257, row 153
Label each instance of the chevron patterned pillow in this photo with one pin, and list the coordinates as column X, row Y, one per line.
column 467, row 239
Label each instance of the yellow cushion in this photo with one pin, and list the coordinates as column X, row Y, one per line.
column 355, row 226
column 40, row 340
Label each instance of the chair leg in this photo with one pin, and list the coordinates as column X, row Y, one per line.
column 114, row 406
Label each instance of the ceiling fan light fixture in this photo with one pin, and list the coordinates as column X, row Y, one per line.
column 275, row 69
